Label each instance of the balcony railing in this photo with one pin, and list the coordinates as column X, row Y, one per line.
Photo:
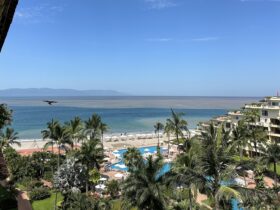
column 258, row 106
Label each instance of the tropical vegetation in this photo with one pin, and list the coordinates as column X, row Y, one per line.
column 66, row 173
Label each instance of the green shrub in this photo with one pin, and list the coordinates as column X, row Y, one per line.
column 48, row 176
column 40, row 193
column 7, row 199
column 34, row 184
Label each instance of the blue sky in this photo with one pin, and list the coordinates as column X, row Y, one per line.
column 146, row 47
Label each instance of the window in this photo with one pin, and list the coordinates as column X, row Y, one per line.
column 264, row 113
column 228, row 125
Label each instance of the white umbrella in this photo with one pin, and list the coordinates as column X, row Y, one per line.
column 100, row 186
column 107, row 159
column 115, row 151
column 146, row 150
column 119, row 175
column 167, row 160
column 239, row 181
column 103, row 179
column 122, row 166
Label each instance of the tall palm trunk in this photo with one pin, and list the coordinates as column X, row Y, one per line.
column 190, row 198
column 102, row 143
column 87, row 180
column 275, row 172
column 177, row 137
column 58, row 160
column 241, row 152
column 216, row 188
column 158, row 139
column 168, row 136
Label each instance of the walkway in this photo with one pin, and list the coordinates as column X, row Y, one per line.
column 23, row 201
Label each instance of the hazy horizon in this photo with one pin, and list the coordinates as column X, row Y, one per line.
column 19, row 92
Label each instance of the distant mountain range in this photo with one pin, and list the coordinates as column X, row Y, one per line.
column 18, row 92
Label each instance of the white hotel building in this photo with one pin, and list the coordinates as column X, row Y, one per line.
column 269, row 112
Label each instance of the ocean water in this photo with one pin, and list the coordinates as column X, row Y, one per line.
column 122, row 114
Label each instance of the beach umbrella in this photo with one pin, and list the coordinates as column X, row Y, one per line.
column 100, row 187
column 119, row 175
column 167, row 160
column 107, row 159
column 240, row 182
column 103, row 179
column 122, row 166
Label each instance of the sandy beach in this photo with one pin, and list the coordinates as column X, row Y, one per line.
column 29, row 146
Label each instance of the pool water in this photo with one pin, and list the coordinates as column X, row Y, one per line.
column 144, row 151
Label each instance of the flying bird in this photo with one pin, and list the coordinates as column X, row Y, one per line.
column 50, row 102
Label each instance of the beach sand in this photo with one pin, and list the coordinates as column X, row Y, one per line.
column 29, row 146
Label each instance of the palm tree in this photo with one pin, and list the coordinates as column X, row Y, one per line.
column 8, row 138
column 215, row 165
column 143, row 188
column 256, row 134
column 61, row 136
column 271, row 155
column 240, row 137
column 259, row 137
column 103, row 128
column 75, row 128
column 184, row 171
column 132, row 158
column 5, row 115
column 92, row 126
column 167, row 131
column 49, row 134
column 91, row 154
column 177, row 124
column 158, row 127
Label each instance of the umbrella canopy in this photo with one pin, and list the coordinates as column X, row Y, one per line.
column 239, row 181
column 100, row 186
column 119, row 175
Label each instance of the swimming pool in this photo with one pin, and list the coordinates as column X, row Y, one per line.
column 151, row 150
column 144, row 151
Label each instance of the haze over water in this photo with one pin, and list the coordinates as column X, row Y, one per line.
column 123, row 114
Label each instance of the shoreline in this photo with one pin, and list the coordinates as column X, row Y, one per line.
column 110, row 142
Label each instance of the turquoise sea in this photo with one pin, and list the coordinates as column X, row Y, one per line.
column 122, row 114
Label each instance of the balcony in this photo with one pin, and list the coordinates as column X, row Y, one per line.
column 274, row 134
column 261, row 106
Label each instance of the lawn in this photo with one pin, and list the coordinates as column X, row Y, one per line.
column 116, row 205
column 271, row 168
column 46, row 204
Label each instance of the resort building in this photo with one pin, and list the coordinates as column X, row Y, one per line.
column 268, row 110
